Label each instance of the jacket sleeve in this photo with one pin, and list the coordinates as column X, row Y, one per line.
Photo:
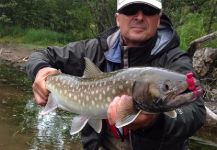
column 167, row 131
column 69, row 59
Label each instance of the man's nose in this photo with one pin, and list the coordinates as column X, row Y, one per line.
column 139, row 15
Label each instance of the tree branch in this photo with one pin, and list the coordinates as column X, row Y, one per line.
column 196, row 43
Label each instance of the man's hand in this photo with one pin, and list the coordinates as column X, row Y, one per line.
column 143, row 120
column 38, row 87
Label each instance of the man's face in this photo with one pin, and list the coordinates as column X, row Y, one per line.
column 137, row 24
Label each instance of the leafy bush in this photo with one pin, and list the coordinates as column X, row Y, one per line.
column 11, row 31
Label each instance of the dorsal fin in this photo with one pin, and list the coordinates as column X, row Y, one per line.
column 91, row 70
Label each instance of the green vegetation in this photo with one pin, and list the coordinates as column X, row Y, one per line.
column 191, row 29
column 41, row 37
column 57, row 22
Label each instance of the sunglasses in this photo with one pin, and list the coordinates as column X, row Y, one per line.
column 134, row 8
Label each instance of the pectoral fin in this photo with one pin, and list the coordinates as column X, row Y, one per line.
column 78, row 124
column 50, row 106
column 96, row 124
column 171, row 114
column 126, row 113
column 127, row 120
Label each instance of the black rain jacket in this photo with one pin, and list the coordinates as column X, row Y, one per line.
column 166, row 133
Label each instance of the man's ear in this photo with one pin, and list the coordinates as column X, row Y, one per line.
column 117, row 19
column 159, row 20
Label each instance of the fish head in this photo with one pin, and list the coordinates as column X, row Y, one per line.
column 162, row 91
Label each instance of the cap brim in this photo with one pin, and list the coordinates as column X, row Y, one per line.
column 156, row 4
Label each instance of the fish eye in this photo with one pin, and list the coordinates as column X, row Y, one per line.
column 166, row 86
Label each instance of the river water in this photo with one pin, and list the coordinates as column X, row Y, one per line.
column 23, row 128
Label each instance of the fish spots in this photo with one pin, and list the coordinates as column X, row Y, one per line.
column 100, row 96
column 121, row 87
column 108, row 89
column 88, row 88
column 104, row 93
column 61, row 91
column 75, row 97
column 87, row 98
column 97, row 106
column 82, row 95
column 113, row 91
column 51, row 86
column 109, row 99
column 83, row 103
column 104, row 83
column 65, row 91
column 114, row 81
column 70, row 95
column 64, row 81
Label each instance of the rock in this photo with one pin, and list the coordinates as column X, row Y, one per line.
column 202, row 60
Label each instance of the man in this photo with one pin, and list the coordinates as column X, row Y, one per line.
column 143, row 37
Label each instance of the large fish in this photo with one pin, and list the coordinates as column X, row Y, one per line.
column 153, row 90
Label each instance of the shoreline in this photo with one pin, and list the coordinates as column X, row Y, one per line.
column 14, row 54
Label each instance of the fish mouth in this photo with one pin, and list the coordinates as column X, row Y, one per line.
column 164, row 104
column 184, row 98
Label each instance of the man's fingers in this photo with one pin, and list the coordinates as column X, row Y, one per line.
column 114, row 106
column 39, row 100
column 39, row 89
column 40, row 95
column 112, row 110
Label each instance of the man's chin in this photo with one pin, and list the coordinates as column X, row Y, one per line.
column 138, row 30
column 138, row 39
